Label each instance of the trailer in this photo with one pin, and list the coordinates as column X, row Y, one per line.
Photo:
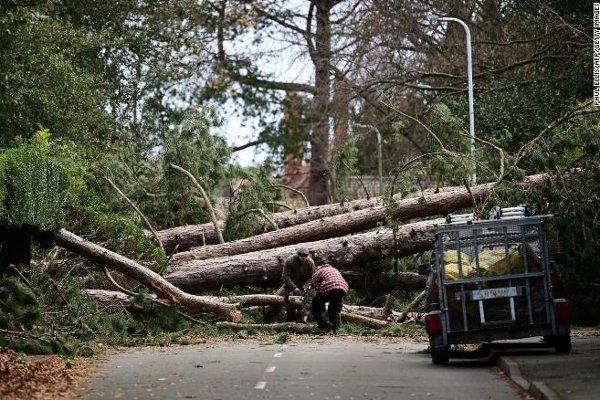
column 493, row 280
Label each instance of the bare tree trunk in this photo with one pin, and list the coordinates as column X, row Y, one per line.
column 378, row 282
column 264, row 268
column 365, row 321
column 435, row 204
column 244, row 301
column 145, row 276
column 114, row 298
column 319, row 143
column 372, row 312
column 189, row 236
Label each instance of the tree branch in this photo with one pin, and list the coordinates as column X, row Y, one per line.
column 137, row 210
column 209, row 206
column 249, row 144
column 293, row 190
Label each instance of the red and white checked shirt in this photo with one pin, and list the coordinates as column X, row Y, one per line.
column 327, row 278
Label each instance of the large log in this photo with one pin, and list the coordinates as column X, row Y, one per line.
column 407, row 209
column 111, row 297
column 163, row 289
column 365, row 321
column 263, row 268
column 188, row 236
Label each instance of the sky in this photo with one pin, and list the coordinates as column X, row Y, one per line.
column 283, row 63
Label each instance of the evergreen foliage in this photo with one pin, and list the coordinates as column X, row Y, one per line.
column 58, row 317
column 32, row 189
column 344, row 166
column 255, row 190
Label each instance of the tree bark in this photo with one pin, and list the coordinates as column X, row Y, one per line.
column 377, row 282
column 435, row 204
column 189, row 236
column 243, row 301
column 372, row 312
column 115, row 298
column 145, row 276
column 319, row 142
column 264, row 268
column 365, row 321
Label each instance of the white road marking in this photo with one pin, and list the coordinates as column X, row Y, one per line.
column 260, row 385
column 270, row 369
column 278, row 355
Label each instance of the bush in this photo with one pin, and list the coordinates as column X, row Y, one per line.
column 32, row 190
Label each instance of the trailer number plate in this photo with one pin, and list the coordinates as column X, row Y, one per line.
column 494, row 293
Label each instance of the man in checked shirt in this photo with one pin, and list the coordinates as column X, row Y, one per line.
column 330, row 287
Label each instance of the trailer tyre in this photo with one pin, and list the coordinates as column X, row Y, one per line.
column 439, row 356
column 562, row 344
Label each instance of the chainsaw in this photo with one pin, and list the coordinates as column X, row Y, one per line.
column 297, row 300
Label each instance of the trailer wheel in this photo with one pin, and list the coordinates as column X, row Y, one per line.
column 562, row 343
column 439, row 356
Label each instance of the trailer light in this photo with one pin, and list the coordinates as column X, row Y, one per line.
column 432, row 323
column 563, row 310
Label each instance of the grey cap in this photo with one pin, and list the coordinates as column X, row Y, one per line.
column 303, row 251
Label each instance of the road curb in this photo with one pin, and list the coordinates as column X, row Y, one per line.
column 537, row 389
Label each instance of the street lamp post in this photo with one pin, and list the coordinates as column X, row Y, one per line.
column 470, row 88
column 379, row 153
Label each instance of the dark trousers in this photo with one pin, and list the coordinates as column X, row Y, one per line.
column 334, row 298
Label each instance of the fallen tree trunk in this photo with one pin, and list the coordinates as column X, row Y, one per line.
column 290, row 327
column 188, row 236
column 250, row 300
column 372, row 312
column 434, row 204
column 365, row 321
column 112, row 297
column 378, row 282
column 145, row 276
column 264, row 268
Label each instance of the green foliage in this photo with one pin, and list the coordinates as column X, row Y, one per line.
column 282, row 338
column 58, row 317
column 256, row 189
column 18, row 305
column 32, row 189
column 50, row 76
column 344, row 165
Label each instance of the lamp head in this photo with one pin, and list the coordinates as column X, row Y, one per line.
column 432, row 19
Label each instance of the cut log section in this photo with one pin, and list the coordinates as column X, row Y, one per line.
column 163, row 289
column 264, row 268
column 411, row 208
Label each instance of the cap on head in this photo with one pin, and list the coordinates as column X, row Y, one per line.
column 303, row 251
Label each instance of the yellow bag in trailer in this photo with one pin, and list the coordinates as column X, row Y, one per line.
column 451, row 264
column 493, row 262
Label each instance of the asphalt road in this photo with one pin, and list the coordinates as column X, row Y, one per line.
column 339, row 369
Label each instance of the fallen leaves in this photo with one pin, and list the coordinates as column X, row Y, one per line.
column 47, row 377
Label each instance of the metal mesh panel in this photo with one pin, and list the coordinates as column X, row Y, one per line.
column 493, row 256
